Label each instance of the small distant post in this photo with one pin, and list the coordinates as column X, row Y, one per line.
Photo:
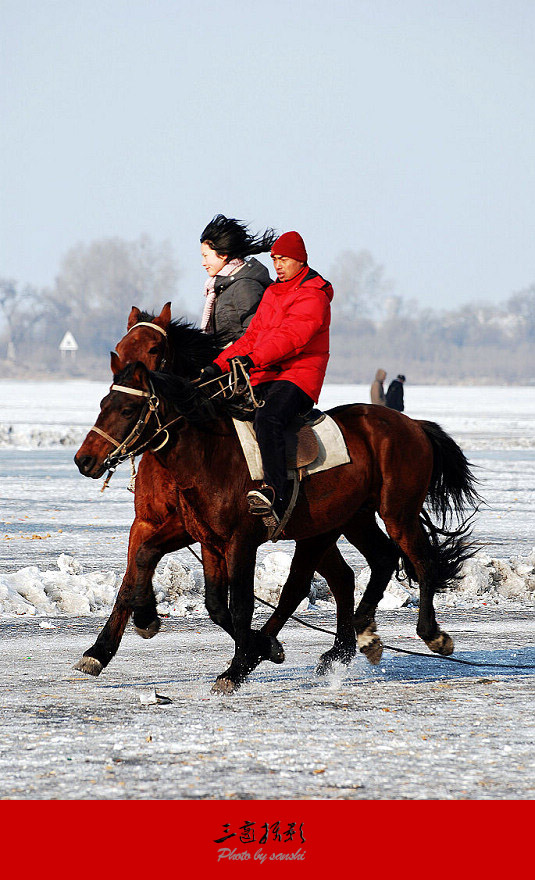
column 68, row 346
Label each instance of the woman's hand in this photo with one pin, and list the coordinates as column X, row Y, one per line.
column 212, row 371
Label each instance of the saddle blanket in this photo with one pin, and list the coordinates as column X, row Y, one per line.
column 331, row 444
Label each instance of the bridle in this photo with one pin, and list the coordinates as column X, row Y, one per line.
column 130, row 447
column 229, row 387
column 163, row 361
column 238, row 384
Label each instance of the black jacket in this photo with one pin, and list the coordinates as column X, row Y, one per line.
column 237, row 299
column 394, row 395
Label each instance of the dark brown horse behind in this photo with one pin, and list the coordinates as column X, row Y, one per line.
column 395, row 464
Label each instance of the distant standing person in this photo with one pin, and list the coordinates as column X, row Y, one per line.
column 235, row 284
column 394, row 395
column 377, row 391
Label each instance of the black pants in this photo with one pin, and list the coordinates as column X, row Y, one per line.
column 284, row 401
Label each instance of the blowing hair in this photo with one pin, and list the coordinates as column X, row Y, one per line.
column 228, row 237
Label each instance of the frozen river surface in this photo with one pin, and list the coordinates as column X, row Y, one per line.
column 49, row 509
column 411, row 728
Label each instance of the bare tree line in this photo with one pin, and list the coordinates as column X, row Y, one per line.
column 371, row 326
column 92, row 295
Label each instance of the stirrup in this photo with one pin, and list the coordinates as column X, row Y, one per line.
column 260, row 505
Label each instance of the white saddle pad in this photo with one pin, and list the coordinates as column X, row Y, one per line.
column 332, row 447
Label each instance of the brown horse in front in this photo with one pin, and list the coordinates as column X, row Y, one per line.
column 161, row 344
column 395, row 464
column 159, row 528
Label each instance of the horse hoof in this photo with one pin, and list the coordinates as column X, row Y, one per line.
column 89, row 665
column 223, row 686
column 276, row 653
column 325, row 664
column 371, row 646
column 327, row 660
column 443, row 644
column 150, row 631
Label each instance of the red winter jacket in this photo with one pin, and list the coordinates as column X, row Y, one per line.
column 288, row 337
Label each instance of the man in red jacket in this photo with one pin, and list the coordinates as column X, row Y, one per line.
column 285, row 349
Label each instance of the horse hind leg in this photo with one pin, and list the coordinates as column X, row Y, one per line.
column 382, row 557
column 315, row 554
column 431, row 568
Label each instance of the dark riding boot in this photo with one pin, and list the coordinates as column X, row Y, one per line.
column 282, row 403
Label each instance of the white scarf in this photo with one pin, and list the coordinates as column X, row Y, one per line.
column 209, row 292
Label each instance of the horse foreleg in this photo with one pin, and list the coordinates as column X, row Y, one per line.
column 107, row 644
column 166, row 538
column 249, row 646
column 216, row 589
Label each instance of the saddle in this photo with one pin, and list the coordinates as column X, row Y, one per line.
column 302, row 446
column 314, row 443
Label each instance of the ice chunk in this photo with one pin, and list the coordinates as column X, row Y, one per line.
column 69, row 565
column 151, row 698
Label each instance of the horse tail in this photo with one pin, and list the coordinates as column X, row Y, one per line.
column 448, row 551
column 451, row 492
column 452, row 488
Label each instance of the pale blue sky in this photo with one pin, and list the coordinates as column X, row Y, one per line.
column 405, row 127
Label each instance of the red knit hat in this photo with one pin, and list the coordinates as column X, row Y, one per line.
column 290, row 244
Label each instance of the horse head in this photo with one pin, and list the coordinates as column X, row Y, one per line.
column 123, row 419
column 176, row 347
column 146, row 338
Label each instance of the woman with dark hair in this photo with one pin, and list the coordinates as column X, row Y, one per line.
column 286, row 350
column 235, row 285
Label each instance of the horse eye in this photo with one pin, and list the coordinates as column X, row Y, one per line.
column 128, row 411
column 154, row 350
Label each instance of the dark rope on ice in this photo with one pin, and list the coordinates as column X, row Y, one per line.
column 412, row 653
column 398, row 650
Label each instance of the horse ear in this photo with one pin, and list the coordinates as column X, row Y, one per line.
column 141, row 374
column 133, row 317
column 116, row 363
column 164, row 318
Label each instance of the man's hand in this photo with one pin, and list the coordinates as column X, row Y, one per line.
column 212, row 371
column 244, row 360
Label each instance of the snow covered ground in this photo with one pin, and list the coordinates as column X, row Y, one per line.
column 413, row 727
column 63, row 543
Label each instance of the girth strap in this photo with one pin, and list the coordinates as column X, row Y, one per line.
column 275, row 533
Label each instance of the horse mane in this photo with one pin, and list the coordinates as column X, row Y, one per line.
column 191, row 346
column 190, row 401
column 191, row 350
